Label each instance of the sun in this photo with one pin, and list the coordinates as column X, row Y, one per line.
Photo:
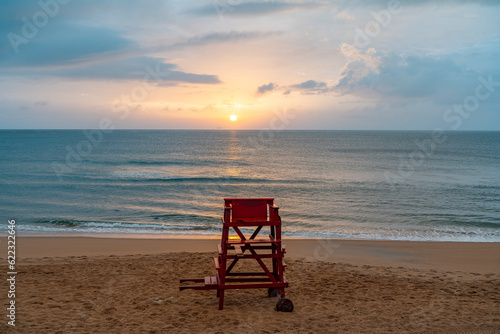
column 233, row 118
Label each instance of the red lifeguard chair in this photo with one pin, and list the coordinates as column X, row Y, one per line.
column 248, row 213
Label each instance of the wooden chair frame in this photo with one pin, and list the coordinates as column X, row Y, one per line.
column 247, row 213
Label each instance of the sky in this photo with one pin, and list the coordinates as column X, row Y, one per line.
column 334, row 65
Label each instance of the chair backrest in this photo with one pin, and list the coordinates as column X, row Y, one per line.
column 249, row 208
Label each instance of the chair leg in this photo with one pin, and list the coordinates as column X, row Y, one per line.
column 221, row 299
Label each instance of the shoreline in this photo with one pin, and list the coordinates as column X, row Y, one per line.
column 477, row 257
column 197, row 236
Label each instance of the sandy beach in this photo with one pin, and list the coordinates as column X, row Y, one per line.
column 99, row 285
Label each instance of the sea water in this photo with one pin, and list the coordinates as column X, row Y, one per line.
column 391, row 185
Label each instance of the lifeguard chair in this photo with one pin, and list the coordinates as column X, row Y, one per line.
column 248, row 213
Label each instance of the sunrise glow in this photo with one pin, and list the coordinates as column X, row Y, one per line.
column 365, row 65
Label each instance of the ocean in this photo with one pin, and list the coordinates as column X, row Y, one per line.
column 387, row 185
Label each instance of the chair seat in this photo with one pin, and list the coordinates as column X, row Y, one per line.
column 211, row 280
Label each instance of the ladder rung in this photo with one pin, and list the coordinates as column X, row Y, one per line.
column 238, row 250
column 254, row 241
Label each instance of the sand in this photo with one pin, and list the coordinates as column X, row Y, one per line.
column 97, row 285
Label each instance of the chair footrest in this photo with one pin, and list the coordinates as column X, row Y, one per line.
column 211, row 280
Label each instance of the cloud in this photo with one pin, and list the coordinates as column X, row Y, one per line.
column 97, row 10
column 389, row 74
column 48, row 33
column 369, row 57
column 310, row 87
column 135, row 68
column 62, row 44
column 266, row 88
column 379, row 3
column 41, row 103
column 306, row 87
column 254, row 8
column 261, row 8
column 343, row 15
column 310, row 84
column 219, row 37
column 80, row 49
